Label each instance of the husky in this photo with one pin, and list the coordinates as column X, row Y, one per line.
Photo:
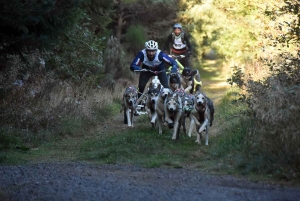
column 203, row 115
column 187, row 107
column 129, row 104
column 154, row 84
column 174, row 80
column 151, row 100
column 160, row 108
column 173, row 111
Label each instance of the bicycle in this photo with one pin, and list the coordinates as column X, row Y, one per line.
column 176, row 57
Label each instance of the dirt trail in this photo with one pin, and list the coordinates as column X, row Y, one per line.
column 85, row 181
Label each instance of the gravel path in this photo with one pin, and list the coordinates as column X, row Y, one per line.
column 84, row 181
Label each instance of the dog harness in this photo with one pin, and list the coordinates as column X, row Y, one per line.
column 131, row 89
column 190, row 100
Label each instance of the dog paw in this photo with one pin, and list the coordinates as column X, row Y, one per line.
column 171, row 125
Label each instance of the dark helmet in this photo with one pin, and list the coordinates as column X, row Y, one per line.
column 186, row 72
column 177, row 25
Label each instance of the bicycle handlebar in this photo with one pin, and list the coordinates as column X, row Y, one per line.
column 148, row 70
column 177, row 56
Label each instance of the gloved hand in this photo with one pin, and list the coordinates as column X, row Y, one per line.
column 133, row 68
column 155, row 72
column 175, row 67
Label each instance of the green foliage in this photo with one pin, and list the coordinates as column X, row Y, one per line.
column 8, row 141
column 71, row 34
column 135, row 36
column 235, row 122
column 33, row 24
column 99, row 16
column 78, row 55
column 237, row 77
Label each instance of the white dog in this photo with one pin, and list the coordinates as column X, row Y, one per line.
column 154, row 84
column 129, row 104
column 203, row 115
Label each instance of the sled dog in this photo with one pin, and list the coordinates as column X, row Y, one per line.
column 203, row 115
column 129, row 104
column 151, row 101
column 173, row 110
column 187, row 107
column 160, row 108
column 174, row 81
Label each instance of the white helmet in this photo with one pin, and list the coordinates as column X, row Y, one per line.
column 177, row 25
column 151, row 45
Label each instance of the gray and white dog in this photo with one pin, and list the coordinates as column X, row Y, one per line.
column 129, row 104
column 153, row 93
column 160, row 108
column 203, row 115
column 173, row 110
column 155, row 83
column 187, row 108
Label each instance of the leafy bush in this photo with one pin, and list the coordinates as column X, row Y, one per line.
column 135, row 36
column 273, row 141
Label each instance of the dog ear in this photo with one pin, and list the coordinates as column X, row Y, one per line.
column 159, row 87
column 194, row 72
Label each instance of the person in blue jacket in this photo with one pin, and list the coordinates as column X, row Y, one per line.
column 153, row 59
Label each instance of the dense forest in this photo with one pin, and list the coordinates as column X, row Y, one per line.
column 61, row 59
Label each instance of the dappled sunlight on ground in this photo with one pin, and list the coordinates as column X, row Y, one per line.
column 214, row 75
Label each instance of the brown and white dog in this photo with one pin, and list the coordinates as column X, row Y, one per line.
column 129, row 104
column 203, row 115
column 160, row 108
column 173, row 110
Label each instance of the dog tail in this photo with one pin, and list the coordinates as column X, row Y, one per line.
column 212, row 111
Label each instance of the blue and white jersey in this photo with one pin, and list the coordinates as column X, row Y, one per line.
column 157, row 64
column 151, row 64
